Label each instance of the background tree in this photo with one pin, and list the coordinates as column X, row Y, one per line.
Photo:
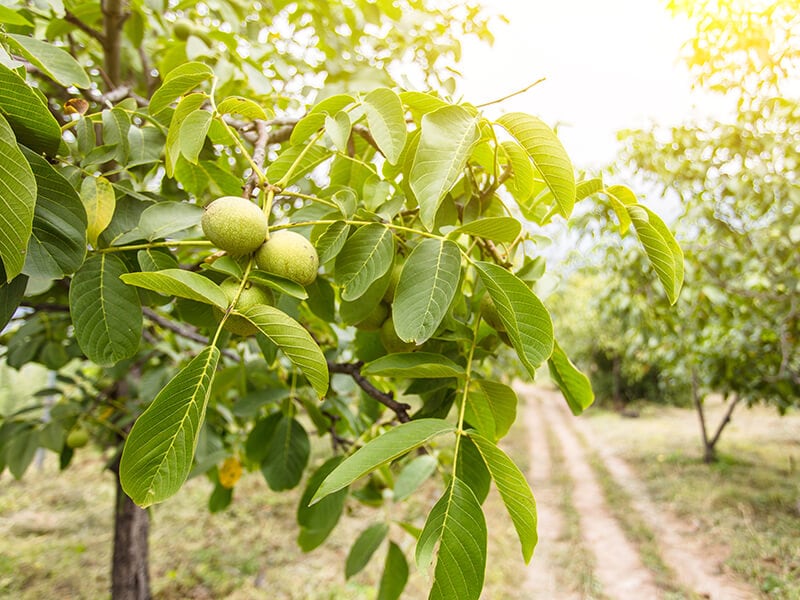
column 184, row 350
column 735, row 331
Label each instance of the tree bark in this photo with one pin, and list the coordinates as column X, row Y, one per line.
column 709, row 455
column 130, row 572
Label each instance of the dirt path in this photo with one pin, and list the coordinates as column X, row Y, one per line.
column 542, row 582
column 698, row 566
column 619, row 567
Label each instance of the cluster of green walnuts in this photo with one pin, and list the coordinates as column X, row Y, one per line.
column 239, row 227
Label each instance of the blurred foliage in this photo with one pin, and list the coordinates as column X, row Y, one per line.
column 737, row 323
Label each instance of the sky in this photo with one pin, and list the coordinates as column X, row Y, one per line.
column 608, row 64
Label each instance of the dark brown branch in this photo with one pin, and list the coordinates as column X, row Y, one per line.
column 91, row 31
column 387, row 399
column 113, row 18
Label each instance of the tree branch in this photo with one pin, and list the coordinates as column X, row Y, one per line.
column 511, row 95
column 354, row 370
column 113, row 19
column 188, row 332
column 91, row 31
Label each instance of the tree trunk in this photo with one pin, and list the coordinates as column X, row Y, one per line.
column 130, row 572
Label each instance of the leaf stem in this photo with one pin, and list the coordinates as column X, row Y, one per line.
column 284, row 181
column 166, row 244
column 467, row 380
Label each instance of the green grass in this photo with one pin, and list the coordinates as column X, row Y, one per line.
column 574, row 561
column 57, row 540
column 748, row 502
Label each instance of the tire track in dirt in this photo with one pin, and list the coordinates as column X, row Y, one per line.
column 542, row 582
column 619, row 568
column 697, row 567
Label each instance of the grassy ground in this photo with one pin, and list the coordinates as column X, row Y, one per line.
column 747, row 505
column 56, row 541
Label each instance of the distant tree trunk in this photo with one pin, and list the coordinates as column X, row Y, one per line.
column 616, row 383
column 710, row 444
column 130, row 571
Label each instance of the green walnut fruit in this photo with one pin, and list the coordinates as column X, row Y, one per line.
column 290, row 255
column 252, row 295
column 490, row 314
column 78, row 437
column 235, row 225
column 376, row 317
column 182, row 29
column 391, row 341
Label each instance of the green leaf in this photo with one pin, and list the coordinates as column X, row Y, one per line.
column 498, row 229
column 448, row 135
column 575, row 386
column 427, row 285
column 106, row 313
column 491, row 408
column 386, row 121
column 279, row 284
column 525, row 318
column 471, row 469
column 415, row 365
column 387, row 447
column 306, row 127
column 548, row 155
column 332, row 240
column 180, row 283
column 663, row 251
column 364, row 547
column 163, row 219
column 514, row 490
column 413, row 475
column 12, row 17
column 422, row 102
column 286, row 455
column 338, row 128
column 279, row 167
column 33, row 124
column 188, row 106
column 395, row 574
column 17, row 202
column 237, row 105
column 457, row 525
column 158, row 453
column 317, row 521
column 295, row 342
column 11, row 294
column 51, row 60
column 57, row 246
column 178, row 82
column 619, row 196
column 588, row 187
column 193, row 132
column 366, row 255
column 520, row 184
column 99, row 201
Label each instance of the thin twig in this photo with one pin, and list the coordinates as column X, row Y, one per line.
column 387, row 399
column 511, row 95
column 184, row 331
